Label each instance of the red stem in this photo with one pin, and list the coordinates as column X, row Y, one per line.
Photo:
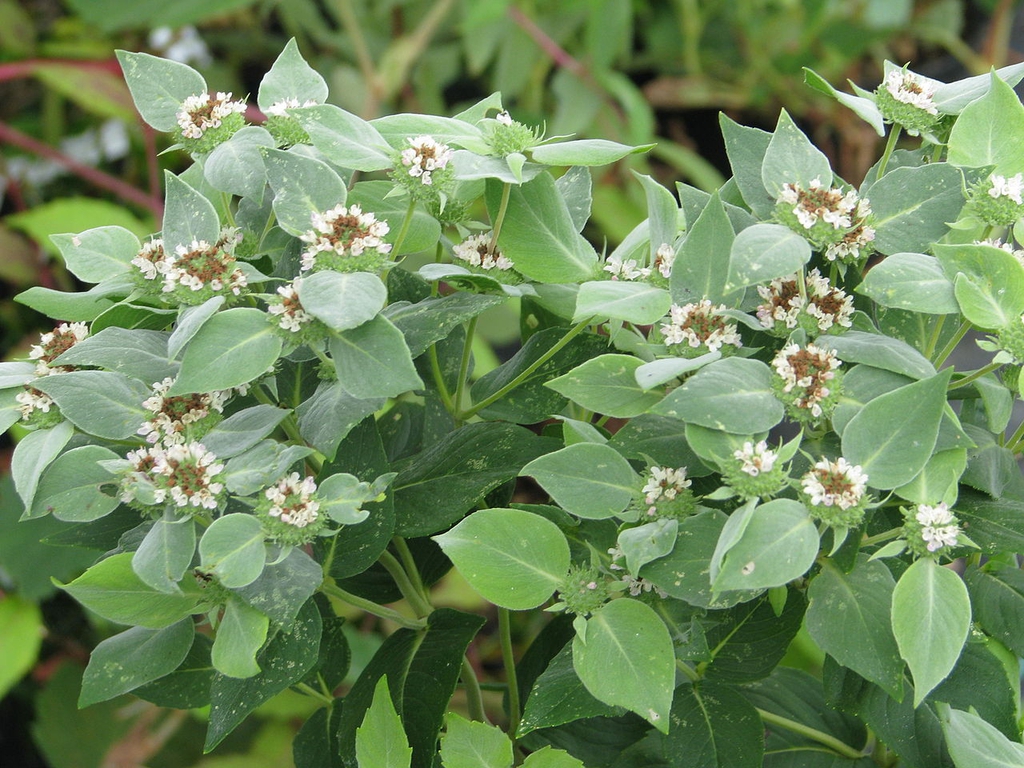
column 16, row 69
column 546, row 43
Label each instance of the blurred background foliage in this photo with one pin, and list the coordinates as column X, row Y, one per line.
column 75, row 156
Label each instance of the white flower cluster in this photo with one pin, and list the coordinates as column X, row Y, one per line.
column 152, row 260
column 630, row 269
column 909, row 88
column 476, row 251
column 756, row 459
column 291, row 316
column 638, row 586
column 280, row 108
column 805, row 372
column 51, row 346
column 345, row 232
column 185, row 474
column 202, row 112
column 424, row 156
column 835, row 483
column 699, row 323
column 292, row 500
column 841, row 212
column 173, row 414
column 664, row 484
column 1011, row 187
column 782, row 303
column 196, row 266
column 938, row 526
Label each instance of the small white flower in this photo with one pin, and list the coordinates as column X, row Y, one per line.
column 806, row 371
column 699, row 323
column 152, row 260
column 291, row 315
column 202, row 112
column 292, row 500
column 188, row 473
column 910, row 88
column 756, row 458
column 344, row 232
column 664, row 259
column 504, row 117
column 424, row 156
column 638, row 586
column 938, row 526
column 280, row 108
column 1011, row 187
column 835, row 483
column 476, row 251
column 172, row 415
column 55, row 343
column 624, row 269
column 30, row 400
column 664, row 483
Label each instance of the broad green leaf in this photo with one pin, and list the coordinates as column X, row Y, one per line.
column 138, row 353
column 791, row 158
column 951, row 98
column 284, row 585
column 95, row 254
column 111, row 589
column 232, row 348
column 190, row 320
column 662, row 213
column 576, row 188
column 330, row 414
column 20, row 641
column 911, row 281
column 423, row 230
column 302, row 186
column 102, row 403
column 188, row 216
column 985, row 680
column 76, row 213
column 344, row 139
column 983, row 134
column 648, row 542
column 16, row 374
column 589, row 480
column 913, row 205
column 237, row 166
column 99, row 91
column 974, row 743
column 434, row 318
column 849, row 618
column 931, row 616
column 468, row 744
column 241, row 633
column 232, row 549
column 991, row 467
column 714, row 726
column 514, row 559
column 159, row 86
column 132, row 316
column 997, row 597
column 373, row 360
column 763, row 252
column 746, row 148
column 779, row 544
column 731, row 395
column 188, row 686
column 538, row 233
column 75, row 307
column 380, row 740
column 71, row 488
column 627, row 660
column 448, row 130
column 285, row 660
column 290, row 77
column 664, row 370
column 512, row 169
column 751, row 638
column 166, row 553
column 939, row 480
column 342, row 496
column 863, row 107
column 242, row 430
column 584, row 152
column 988, row 282
column 892, row 437
column 994, row 525
column 342, row 300
column 133, row 658
column 606, row 384
column 878, row 351
column 558, row 697
column 549, row 757
column 701, row 270
column 32, row 455
column 638, row 303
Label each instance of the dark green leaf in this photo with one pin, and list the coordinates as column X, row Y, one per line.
column 713, row 726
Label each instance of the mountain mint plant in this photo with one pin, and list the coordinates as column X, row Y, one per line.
column 730, row 502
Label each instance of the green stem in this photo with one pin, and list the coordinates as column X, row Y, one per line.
column 1014, row 443
column 467, row 355
column 878, row 538
column 311, row 691
column 372, row 608
column 474, row 698
column 438, row 376
column 933, row 340
column 947, row 350
column 506, row 193
column 406, row 223
column 409, row 592
column 529, row 371
column 811, row 733
column 409, row 562
column 971, row 377
column 890, row 146
column 509, row 660
column 689, row 673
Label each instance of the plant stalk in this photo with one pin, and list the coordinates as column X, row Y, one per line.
column 370, row 607
column 813, row 734
column 509, row 660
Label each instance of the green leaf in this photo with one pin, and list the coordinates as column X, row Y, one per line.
column 714, row 726
column 166, row 553
column 133, row 658
column 232, row 348
column 779, row 544
column 330, row 414
column 232, row 549
column 849, row 618
column 746, row 148
column 606, row 384
column 938, row 480
column 242, row 430
column 974, row 743
column 96, row 254
column 997, row 596
column 102, row 403
column 190, row 320
column 627, row 660
column 994, row 525
column 285, row 660
column 589, row 480
column 983, row 134
column 468, row 744
column 291, row 77
column 878, row 351
column 342, row 300
column 701, row 270
column 538, row 233
column 74, row 307
column 988, row 282
column 584, row 152
column 548, row 757
column 931, row 616
column 302, row 186
column 71, row 487
column 892, row 437
column 373, row 360
column 985, row 680
column 731, row 395
column 188, row 216
column 159, row 86
column 442, row 483
column 432, row 319
column 138, row 353
column 111, row 589
column 73, row 214
column 33, row 454
column 188, row 686
column 910, row 281
column 20, row 641
column 913, row 205
column 236, row 166
column 763, row 252
column 284, row 585
column 750, row 639
column 638, row 303
column 664, row 370
column 791, row 158
column 240, row 635
column 558, row 696
column 342, row 496
column 344, row 139
column 662, row 213
column 646, row 543
column 377, row 196
column 448, row 130
column 514, row 559
column 380, row 740
column 863, row 107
